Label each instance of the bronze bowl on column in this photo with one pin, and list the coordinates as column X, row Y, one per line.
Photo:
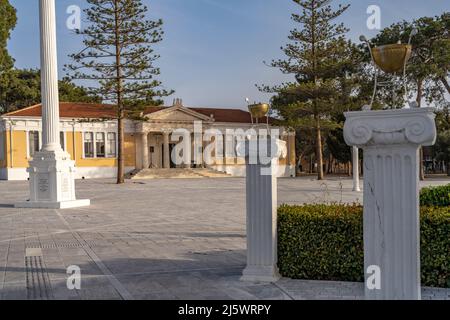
column 259, row 110
column 392, row 58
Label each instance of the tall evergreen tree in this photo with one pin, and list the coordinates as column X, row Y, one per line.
column 119, row 57
column 317, row 55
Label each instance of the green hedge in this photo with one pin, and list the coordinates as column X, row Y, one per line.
column 325, row 242
column 435, row 196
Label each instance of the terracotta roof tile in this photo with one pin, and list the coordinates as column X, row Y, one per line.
column 91, row 110
column 69, row 110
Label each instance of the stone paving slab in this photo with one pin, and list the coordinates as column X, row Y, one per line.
column 156, row 239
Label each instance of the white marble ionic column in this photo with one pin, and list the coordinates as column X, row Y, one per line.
column 261, row 204
column 355, row 166
column 391, row 140
column 49, row 77
column 166, row 155
column 144, row 144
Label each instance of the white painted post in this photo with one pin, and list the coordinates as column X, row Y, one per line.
column 51, row 171
column 355, row 165
column 391, row 141
column 261, row 192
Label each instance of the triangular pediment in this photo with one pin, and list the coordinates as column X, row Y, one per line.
column 177, row 114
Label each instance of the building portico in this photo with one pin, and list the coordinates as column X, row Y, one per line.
column 89, row 135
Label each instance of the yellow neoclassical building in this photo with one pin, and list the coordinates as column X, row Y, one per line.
column 89, row 134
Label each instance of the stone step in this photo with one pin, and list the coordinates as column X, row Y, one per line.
column 176, row 173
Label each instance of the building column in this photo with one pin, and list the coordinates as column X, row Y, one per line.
column 391, row 140
column 166, row 155
column 355, row 165
column 51, row 171
column 144, row 145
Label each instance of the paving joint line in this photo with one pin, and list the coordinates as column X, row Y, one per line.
column 283, row 290
column 6, row 265
column 121, row 290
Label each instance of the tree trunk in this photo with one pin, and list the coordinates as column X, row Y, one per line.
column 120, row 156
column 319, row 156
column 421, row 170
column 419, row 102
column 419, row 92
column 445, row 82
column 330, row 164
column 448, row 168
column 120, row 112
column 361, row 167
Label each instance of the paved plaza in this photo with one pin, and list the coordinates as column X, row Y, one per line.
column 154, row 239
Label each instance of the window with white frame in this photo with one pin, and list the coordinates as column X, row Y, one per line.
column 100, row 144
column 2, row 145
column 111, row 144
column 89, row 145
column 33, row 143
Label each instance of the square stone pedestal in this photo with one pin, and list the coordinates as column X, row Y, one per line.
column 261, row 203
column 52, row 183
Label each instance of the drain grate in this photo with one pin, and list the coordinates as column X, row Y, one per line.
column 59, row 245
column 38, row 281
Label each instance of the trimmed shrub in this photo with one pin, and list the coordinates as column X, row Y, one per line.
column 435, row 196
column 435, row 246
column 325, row 242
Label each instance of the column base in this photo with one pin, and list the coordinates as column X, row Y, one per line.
column 54, row 205
column 261, row 274
column 52, row 184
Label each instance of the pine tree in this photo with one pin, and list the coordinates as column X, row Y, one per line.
column 119, row 57
column 317, row 56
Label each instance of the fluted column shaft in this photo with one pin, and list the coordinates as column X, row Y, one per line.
column 391, row 220
column 49, row 76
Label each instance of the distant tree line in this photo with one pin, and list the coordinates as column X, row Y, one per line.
column 333, row 74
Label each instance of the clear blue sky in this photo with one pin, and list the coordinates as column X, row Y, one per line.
column 213, row 50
